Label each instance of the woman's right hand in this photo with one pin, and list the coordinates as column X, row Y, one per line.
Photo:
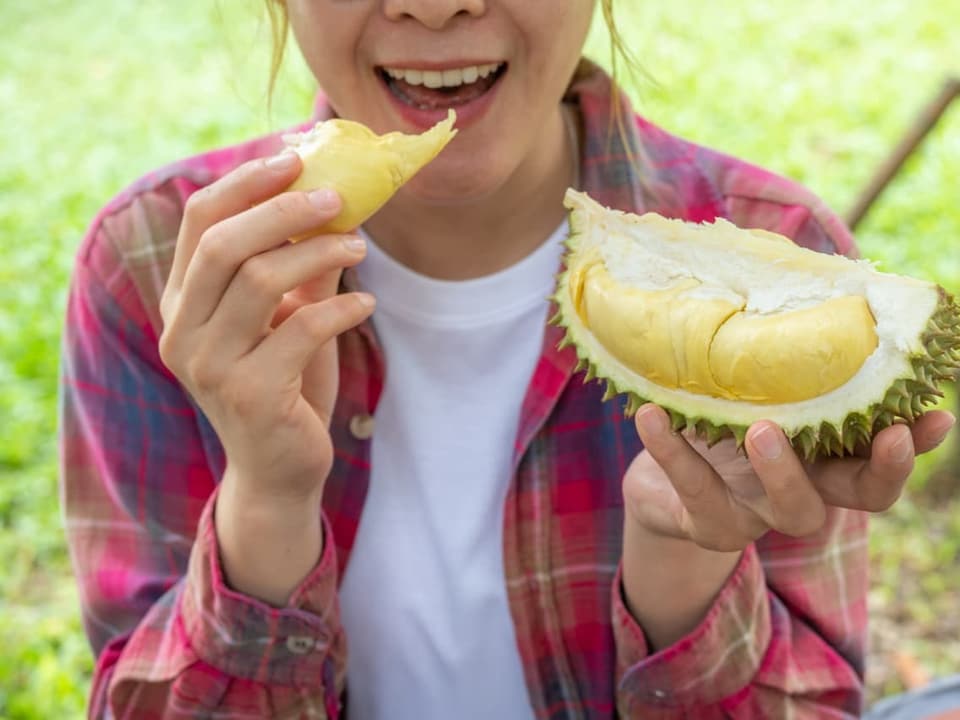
column 250, row 327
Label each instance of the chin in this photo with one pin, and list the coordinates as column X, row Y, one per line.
column 451, row 184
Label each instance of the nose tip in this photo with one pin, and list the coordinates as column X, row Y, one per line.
column 433, row 14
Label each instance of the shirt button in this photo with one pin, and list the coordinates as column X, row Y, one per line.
column 300, row 644
column 659, row 694
column 361, row 426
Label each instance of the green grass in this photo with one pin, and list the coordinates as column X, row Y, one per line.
column 96, row 93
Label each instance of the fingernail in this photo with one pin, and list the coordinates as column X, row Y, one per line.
column 354, row 243
column 767, row 442
column 366, row 299
column 283, row 161
column 324, row 198
column 902, row 449
column 650, row 421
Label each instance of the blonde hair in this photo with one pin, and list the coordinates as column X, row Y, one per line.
column 279, row 27
column 619, row 53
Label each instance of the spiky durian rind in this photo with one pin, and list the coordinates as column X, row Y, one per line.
column 904, row 401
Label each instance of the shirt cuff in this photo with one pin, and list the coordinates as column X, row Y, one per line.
column 246, row 638
column 714, row 661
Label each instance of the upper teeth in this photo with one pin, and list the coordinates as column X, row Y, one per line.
column 443, row 78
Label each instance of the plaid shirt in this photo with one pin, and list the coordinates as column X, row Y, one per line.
column 140, row 465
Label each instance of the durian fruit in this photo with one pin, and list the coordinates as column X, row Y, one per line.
column 723, row 326
column 366, row 169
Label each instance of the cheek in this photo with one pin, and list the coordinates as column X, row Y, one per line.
column 328, row 38
column 556, row 45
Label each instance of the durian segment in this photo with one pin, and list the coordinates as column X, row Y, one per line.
column 795, row 355
column 663, row 335
column 724, row 327
column 366, row 169
column 685, row 337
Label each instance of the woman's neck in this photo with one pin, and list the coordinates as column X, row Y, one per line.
column 466, row 241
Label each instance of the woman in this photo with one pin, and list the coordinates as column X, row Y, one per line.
column 260, row 470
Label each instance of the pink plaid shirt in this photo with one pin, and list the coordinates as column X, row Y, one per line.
column 140, row 466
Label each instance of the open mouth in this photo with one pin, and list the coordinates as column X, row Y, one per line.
column 441, row 89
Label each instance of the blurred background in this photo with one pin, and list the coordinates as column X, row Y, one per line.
column 94, row 94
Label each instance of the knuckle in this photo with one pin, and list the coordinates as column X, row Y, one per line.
column 168, row 348
column 258, row 277
column 199, row 200
column 203, row 375
column 213, row 248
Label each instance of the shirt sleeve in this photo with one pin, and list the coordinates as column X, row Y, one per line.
column 785, row 637
column 172, row 639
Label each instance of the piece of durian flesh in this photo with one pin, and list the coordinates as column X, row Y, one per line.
column 364, row 168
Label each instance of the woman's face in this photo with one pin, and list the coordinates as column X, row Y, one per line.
column 503, row 65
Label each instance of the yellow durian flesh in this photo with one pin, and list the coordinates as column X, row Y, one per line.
column 364, row 168
column 795, row 355
column 679, row 337
column 724, row 327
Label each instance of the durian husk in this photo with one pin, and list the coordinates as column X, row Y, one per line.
column 936, row 362
column 364, row 168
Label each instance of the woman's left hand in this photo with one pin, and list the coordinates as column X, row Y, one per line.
column 723, row 501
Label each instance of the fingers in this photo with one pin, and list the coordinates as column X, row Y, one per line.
column 229, row 244
column 725, row 513
column 288, row 349
column 872, row 484
column 793, row 503
column 931, row 429
column 253, row 297
column 248, row 185
column 691, row 475
column 708, row 518
column 794, row 496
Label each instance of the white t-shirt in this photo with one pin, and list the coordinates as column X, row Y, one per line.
column 423, row 600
